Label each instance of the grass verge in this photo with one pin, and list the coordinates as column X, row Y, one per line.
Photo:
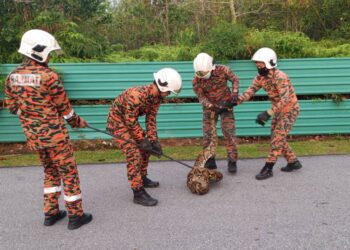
column 253, row 150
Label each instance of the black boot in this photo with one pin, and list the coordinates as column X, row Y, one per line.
column 292, row 166
column 77, row 221
column 266, row 171
column 148, row 183
column 52, row 219
column 211, row 164
column 143, row 198
column 232, row 166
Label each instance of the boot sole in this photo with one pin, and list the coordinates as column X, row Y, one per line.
column 144, row 204
column 232, row 171
column 263, row 178
column 72, row 227
column 290, row 170
column 152, row 186
column 51, row 223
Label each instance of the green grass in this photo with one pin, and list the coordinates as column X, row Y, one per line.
column 254, row 150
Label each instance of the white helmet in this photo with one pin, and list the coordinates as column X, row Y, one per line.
column 37, row 44
column 168, row 79
column 266, row 55
column 203, row 62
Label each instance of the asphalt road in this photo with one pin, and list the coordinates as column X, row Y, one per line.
column 308, row 209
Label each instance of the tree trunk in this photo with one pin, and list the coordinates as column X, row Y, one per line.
column 167, row 32
column 233, row 12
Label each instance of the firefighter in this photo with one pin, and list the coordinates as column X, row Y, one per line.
column 284, row 110
column 35, row 93
column 136, row 143
column 210, row 86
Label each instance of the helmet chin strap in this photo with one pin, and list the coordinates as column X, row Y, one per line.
column 158, row 90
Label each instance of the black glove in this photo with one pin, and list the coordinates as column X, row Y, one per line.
column 157, row 149
column 218, row 108
column 76, row 121
column 231, row 102
column 145, row 145
column 234, row 100
column 262, row 118
column 222, row 109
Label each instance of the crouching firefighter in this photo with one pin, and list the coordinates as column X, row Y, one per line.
column 35, row 93
column 284, row 111
column 137, row 144
column 210, row 86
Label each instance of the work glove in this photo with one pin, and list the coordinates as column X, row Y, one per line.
column 231, row 102
column 76, row 121
column 145, row 145
column 156, row 149
column 218, row 108
column 262, row 118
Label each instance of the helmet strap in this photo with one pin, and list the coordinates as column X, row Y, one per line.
column 39, row 58
column 163, row 84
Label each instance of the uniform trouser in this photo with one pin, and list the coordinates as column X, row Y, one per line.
column 228, row 129
column 281, row 124
column 137, row 160
column 59, row 165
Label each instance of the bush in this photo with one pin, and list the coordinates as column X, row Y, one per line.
column 226, row 41
column 155, row 53
column 286, row 44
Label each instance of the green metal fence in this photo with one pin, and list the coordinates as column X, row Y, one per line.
column 105, row 81
column 184, row 120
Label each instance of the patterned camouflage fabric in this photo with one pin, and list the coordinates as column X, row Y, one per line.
column 285, row 107
column 35, row 93
column 198, row 178
column 57, row 162
column 123, row 122
column 215, row 92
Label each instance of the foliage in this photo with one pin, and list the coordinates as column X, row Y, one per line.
column 154, row 53
column 65, row 19
column 286, row 44
column 153, row 30
column 226, row 41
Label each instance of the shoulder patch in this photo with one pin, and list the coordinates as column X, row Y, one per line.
column 32, row 80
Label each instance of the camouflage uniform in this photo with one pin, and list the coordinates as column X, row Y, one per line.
column 35, row 92
column 123, row 122
column 214, row 92
column 285, row 107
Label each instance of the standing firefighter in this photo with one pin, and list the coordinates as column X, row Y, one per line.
column 135, row 143
column 210, row 86
column 35, row 93
column 285, row 109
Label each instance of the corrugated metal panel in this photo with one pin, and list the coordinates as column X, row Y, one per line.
column 184, row 120
column 107, row 80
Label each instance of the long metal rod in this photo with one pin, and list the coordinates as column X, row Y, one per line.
column 166, row 156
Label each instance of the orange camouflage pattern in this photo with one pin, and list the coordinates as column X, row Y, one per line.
column 36, row 94
column 285, row 107
column 59, row 164
column 123, row 122
column 214, row 92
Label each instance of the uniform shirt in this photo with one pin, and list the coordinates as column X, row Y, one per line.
column 132, row 103
column 215, row 90
column 277, row 86
column 37, row 95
